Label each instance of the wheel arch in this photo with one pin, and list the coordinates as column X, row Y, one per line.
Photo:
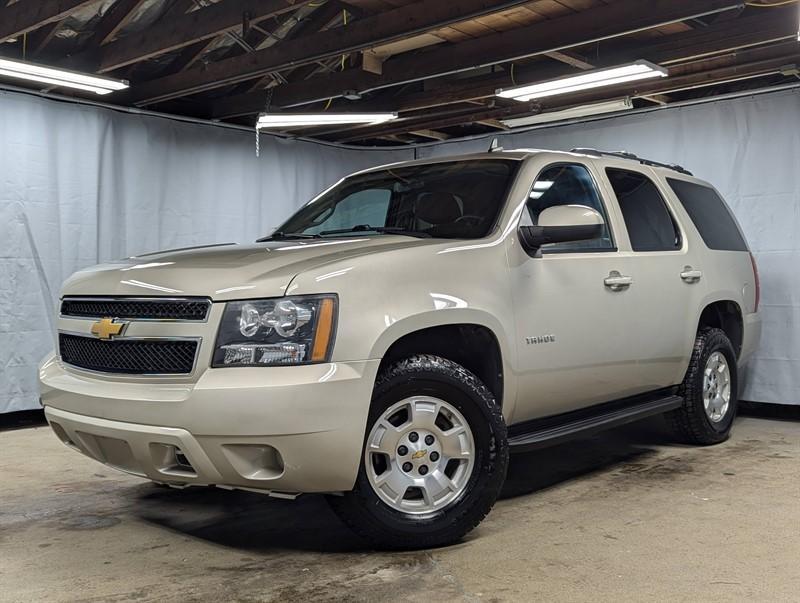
column 473, row 344
column 726, row 315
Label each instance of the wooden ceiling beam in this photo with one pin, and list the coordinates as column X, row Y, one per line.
column 444, row 119
column 603, row 22
column 370, row 31
column 695, row 76
column 318, row 20
column 539, row 38
column 570, row 58
column 112, row 21
column 189, row 55
column 39, row 39
column 430, row 134
column 22, row 17
column 668, row 50
column 187, row 29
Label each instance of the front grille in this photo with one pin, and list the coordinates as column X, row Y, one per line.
column 150, row 309
column 139, row 357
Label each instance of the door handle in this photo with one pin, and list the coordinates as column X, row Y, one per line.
column 617, row 282
column 690, row 275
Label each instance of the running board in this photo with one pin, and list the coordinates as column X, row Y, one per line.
column 540, row 433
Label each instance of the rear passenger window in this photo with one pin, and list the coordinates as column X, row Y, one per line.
column 710, row 215
column 649, row 223
column 567, row 184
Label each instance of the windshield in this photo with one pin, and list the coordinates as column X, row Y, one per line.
column 453, row 200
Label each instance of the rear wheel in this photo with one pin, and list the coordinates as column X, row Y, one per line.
column 709, row 391
column 434, row 460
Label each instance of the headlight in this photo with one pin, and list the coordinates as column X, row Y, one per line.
column 269, row 332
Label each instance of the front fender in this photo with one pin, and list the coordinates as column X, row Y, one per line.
column 438, row 318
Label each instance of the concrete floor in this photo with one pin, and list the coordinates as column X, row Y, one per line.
column 623, row 516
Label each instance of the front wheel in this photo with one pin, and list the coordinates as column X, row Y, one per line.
column 709, row 390
column 435, row 457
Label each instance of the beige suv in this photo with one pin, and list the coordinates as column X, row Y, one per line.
column 397, row 337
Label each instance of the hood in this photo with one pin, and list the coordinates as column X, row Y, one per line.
column 225, row 272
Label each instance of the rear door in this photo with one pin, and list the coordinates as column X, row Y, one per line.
column 665, row 290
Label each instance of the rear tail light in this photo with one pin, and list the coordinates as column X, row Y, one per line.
column 757, row 281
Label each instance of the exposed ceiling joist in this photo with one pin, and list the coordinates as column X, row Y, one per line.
column 370, row 31
column 592, row 25
column 493, row 123
column 22, row 17
column 445, row 120
column 189, row 54
column 570, row 58
column 39, row 39
column 318, row 20
column 430, row 134
column 542, row 37
column 184, row 30
column 701, row 77
column 674, row 48
column 112, row 21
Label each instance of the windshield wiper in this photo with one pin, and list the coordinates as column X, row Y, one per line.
column 381, row 229
column 279, row 235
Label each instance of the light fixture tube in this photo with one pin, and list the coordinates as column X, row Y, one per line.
column 60, row 77
column 585, row 81
column 293, row 120
column 571, row 113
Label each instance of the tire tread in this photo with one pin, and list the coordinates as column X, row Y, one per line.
column 689, row 422
column 464, row 518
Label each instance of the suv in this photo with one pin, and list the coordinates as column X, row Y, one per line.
column 403, row 332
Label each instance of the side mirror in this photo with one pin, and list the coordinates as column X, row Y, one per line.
column 562, row 224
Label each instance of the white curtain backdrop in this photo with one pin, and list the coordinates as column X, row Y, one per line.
column 81, row 185
column 749, row 148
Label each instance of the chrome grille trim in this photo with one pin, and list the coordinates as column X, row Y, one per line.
column 109, row 311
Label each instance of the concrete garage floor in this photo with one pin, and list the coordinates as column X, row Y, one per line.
column 622, row 516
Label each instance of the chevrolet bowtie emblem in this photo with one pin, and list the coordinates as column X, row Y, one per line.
column 106, row 328
column 418, row 454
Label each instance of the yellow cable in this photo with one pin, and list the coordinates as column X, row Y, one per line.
column 513, row 81
column 344, row 57
column 344, row 22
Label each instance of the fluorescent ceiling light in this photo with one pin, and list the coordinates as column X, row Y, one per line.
column 60, row 77
column 639, row 70
column 293, row 120
column 573, row 113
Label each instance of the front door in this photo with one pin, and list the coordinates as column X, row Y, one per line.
column 572, row 306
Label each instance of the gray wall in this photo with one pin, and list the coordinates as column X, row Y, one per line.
column 81, row 185
column 749, row 148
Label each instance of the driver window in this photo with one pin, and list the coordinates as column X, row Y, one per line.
column 566, row 184
column 364, row 207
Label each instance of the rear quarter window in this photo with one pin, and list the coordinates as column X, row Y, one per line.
column 710, row 215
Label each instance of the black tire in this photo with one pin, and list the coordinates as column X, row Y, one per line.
column 690, row 422
column 384, row 527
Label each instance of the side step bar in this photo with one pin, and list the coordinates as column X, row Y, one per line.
column 547, row 432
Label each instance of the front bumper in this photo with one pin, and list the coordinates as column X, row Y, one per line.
column 282, row 429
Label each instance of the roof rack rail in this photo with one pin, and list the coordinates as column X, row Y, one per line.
column 631, row 156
